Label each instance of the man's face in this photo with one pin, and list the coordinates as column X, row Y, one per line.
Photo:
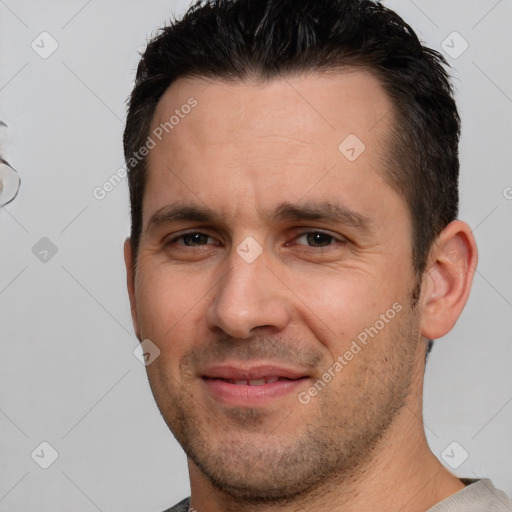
column 267, row 250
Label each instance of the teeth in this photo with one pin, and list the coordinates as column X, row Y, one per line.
column 257, row 382
column 254, row 382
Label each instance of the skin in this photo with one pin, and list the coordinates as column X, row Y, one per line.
column 243, row 151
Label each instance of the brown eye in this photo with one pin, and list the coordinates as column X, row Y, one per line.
column 193, row 239
column 317, row 239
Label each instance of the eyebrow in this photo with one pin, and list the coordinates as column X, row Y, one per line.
column 320, row 211
column 323, row 211
column 178, row 212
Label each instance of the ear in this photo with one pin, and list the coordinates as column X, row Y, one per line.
column 448, row 278
column 130, row 281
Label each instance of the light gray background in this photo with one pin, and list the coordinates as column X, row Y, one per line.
column 68, row 375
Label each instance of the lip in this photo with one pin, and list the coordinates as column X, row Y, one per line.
column 253, row 372
column 220, row 383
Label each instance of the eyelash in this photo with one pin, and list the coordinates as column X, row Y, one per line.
column 334, row 239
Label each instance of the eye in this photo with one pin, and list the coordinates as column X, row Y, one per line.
column 317, row 239
column 192, row 239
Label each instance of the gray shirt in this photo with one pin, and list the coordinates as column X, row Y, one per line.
column 477, row 496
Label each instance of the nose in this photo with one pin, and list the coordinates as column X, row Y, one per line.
column 248, row 297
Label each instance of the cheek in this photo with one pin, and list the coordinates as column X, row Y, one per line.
column 169, row 307
column 338, row 306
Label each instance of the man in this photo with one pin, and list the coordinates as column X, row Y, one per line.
column 294, row 250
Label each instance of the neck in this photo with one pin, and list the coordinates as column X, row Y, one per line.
column 402, row 474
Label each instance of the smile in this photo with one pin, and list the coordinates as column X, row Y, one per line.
column 237, row 385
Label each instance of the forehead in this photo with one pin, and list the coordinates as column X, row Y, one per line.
column 262, row 139
column 342, row 100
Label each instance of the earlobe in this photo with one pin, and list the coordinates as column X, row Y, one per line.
column 448, row 279
column 130, row 282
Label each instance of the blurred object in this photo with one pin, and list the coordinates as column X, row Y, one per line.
column 9, row 183
column 9, row 180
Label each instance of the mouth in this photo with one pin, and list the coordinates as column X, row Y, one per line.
column 251, row 382
column 251, row 386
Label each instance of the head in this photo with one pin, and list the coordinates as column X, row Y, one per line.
column 237, row 41
column 295, row 221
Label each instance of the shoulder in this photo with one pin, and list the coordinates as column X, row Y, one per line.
column 182, row 506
